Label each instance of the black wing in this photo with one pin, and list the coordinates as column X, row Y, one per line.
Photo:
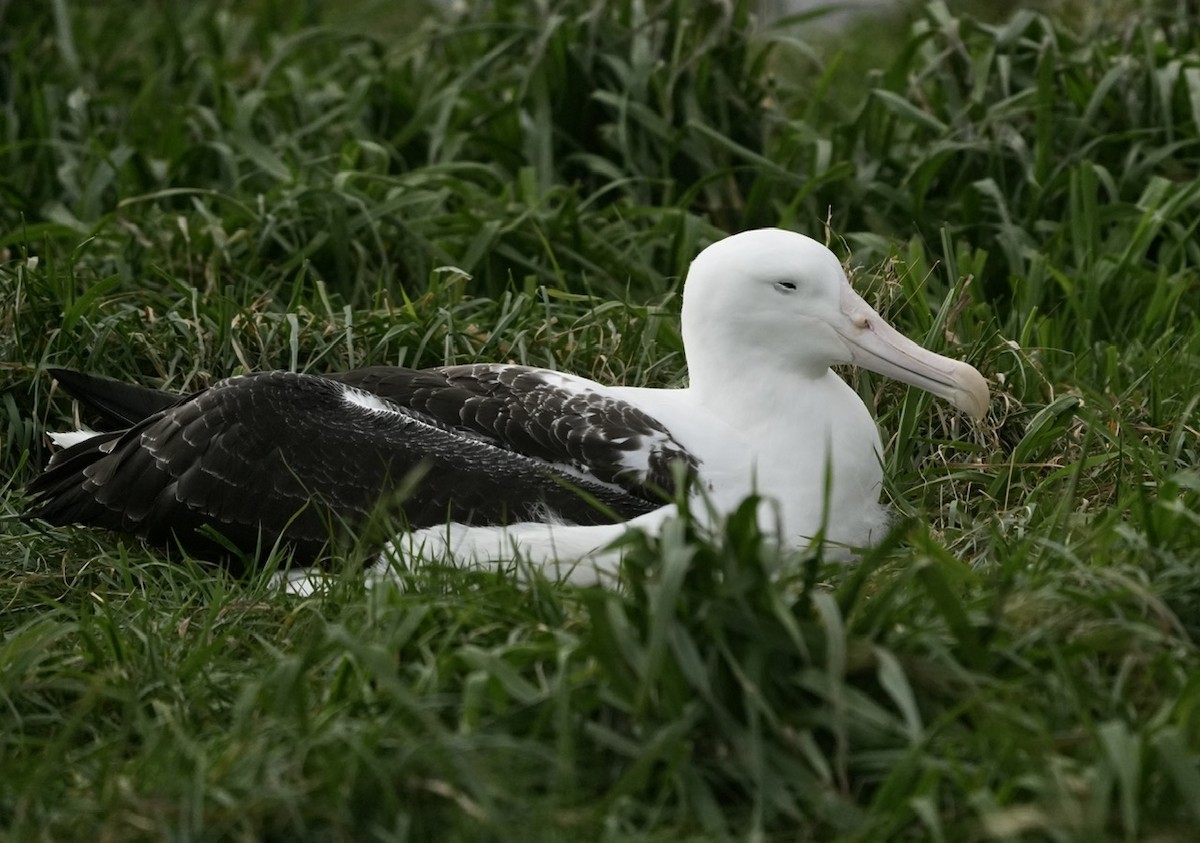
column 544, row 414
column 288, row 456
column 535, row 412
column 118, row 405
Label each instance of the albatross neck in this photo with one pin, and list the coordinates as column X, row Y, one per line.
column 754, row 384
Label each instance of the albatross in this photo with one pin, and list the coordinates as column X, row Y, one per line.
column 490, row 462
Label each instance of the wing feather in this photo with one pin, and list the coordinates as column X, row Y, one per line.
column 548, row 415
column 283, row 455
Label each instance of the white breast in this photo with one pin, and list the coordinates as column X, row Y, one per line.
column 782, row 453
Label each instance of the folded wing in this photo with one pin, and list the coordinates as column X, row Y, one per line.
column 295, row 457
column 565, row 420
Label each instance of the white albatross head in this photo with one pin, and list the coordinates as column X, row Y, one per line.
column 785, row 295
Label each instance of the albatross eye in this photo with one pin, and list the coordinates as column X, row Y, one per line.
column 785, row 286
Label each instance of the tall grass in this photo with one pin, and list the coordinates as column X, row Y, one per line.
column 192, row 190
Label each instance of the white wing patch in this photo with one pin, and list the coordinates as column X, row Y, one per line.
column 565, row 381
column 582, row 473
column 367, row 401
column 71, row 437
column 638, row 459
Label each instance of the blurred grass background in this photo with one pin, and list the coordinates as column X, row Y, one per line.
column 189, row 190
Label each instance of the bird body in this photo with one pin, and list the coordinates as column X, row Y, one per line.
column 761, row 437
column 487, row 461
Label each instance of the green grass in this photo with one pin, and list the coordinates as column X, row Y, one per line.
column 192, row 190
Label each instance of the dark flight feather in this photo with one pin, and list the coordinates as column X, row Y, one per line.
column 283, row 456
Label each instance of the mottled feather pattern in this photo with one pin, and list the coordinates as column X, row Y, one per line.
column 280, row 454
column 553, row 416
